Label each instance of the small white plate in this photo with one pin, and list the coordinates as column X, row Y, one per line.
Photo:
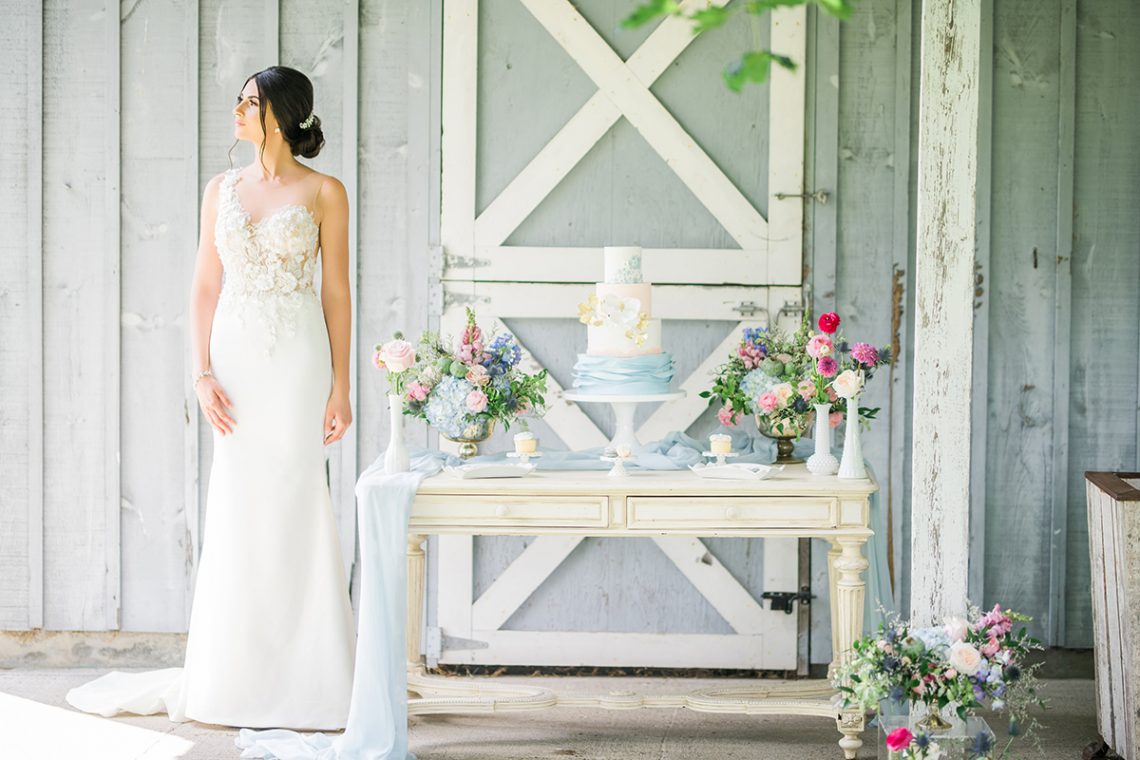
column 736, row 471
column 498, row 470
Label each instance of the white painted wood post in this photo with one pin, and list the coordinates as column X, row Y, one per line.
column 944, row 300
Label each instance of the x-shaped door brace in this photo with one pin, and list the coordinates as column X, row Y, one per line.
column 623, row 90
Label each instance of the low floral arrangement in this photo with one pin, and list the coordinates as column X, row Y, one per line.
column 462, row 391
column 779, row 378
column 970, row 663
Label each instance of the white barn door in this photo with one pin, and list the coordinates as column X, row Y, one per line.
column 752, row 282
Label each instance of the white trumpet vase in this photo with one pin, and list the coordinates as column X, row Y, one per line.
column 396, row 457
column 852, row 466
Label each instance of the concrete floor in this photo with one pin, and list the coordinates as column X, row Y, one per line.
column 582, row 734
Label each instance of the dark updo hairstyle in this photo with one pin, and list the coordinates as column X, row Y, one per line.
column 290, row 93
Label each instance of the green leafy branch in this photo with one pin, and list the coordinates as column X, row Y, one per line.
column 752, row 66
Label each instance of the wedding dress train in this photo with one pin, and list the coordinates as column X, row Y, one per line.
column 271, row 641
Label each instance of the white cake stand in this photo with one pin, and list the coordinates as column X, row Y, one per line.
column 624, row 407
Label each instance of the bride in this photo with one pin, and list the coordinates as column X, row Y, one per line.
column 271, row 640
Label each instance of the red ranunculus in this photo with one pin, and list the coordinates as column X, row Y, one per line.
column 829, row 322
column 898, row 739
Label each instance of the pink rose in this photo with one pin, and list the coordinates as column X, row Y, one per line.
column 991, row 647
column 956, row 628
column 396, row 355
column 827, row 366
column 950, row 674
column 819, row 346
column 965, row 658
column 829, row 322
column 417, row 392
column 726, row 416
column 476, row 401
column 899, row 739
column 768, row 401
column 834, row 419
column 806, row 389
column 478, row 375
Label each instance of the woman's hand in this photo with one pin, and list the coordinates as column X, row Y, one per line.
column 338, row 416
column 213, row 401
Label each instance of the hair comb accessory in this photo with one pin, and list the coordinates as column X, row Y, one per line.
column 309, row 121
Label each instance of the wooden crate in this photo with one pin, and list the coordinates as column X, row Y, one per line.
column 1114, row 550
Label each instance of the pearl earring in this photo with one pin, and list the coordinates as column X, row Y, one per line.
column 277, row 129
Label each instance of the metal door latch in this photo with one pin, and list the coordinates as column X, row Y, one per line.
column 783, row 601
column 819, row 196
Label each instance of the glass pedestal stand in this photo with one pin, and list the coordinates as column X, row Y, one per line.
column 624, row 408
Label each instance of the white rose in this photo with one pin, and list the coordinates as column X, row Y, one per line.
column 847, row 384
column 956, row 628
column 965, row 658
column 783, row 392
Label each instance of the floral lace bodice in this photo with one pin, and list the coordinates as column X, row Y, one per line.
column 268, row 265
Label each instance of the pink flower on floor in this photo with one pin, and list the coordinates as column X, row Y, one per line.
column 827, row 366
column 476, row 401
column 768, row 402
column 819, row 346
column 417, row 392
column 899, row 739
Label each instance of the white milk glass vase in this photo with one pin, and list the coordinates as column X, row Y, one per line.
column 822, row 462
column 852, row 467
column 396, row 457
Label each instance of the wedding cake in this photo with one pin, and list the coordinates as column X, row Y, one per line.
column 623, row 343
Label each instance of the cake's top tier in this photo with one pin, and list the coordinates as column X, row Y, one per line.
column 623, row 264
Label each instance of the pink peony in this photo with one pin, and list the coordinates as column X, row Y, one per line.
column 768, row 402
column 726, row 416
column 827, row 366
column 819, row 346
column 476, row 401
column 396, row 356
column 865, row 354
column 478, row 375
column 899, row 739
column 829, row 322
column 417, row 392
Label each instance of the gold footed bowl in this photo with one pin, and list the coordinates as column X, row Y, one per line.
column 473, row 435
column 784, row 431
column 933, row 722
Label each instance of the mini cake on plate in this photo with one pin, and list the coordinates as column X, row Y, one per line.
column 525, row 443
column 719, row 443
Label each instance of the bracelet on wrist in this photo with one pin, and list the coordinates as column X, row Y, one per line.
column 203, row 373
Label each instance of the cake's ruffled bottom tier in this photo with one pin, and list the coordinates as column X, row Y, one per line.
column 623, row 375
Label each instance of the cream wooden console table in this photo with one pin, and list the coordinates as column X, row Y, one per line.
column 591, row 503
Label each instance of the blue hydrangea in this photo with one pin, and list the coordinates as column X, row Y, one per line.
column 755, row 384
column 504, row 352
column 933, row 638
column 446, row 407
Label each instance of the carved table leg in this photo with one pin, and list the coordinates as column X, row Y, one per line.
column 850, row 588
column 414, row 628
column 833, row 597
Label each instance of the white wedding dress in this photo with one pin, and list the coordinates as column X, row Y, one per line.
column 271, row 641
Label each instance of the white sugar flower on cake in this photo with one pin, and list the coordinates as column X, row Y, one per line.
column 618, row 311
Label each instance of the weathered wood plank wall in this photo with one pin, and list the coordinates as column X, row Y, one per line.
column 96, row 272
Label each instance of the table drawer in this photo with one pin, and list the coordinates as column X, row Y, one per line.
column 567, row 511
column 731, row 512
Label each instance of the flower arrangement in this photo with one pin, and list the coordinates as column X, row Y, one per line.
column 397, row 356
column 971, row 662
column 905, row 745
column 780, row 377
column 461, row 391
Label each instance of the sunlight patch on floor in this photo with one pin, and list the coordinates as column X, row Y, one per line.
column 30, row 729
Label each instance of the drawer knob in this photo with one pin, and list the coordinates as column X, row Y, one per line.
column 501, row 510
column 731, row 513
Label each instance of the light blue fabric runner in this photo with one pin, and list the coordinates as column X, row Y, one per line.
column 377, row 726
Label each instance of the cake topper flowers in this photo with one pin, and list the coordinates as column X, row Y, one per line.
column 622, row 312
